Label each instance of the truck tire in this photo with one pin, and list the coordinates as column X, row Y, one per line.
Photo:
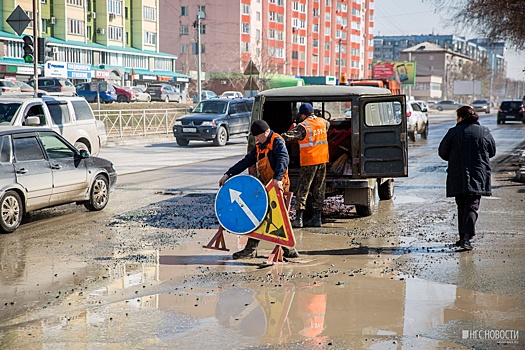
column 386, row 190
column 367, row 210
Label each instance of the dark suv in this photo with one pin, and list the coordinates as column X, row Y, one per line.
column 55, row 86
column 511, row 110
column 164, row 92
column 215, row 120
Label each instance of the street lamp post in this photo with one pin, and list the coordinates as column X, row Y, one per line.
column 200, row 15
column 339, row 65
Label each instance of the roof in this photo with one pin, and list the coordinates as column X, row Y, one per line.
column 307, row 92
column 7, row 129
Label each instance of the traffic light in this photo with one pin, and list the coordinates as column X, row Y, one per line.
column 45, row 53
column 29, row 50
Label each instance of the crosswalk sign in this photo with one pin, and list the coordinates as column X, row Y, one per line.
column 275, row 226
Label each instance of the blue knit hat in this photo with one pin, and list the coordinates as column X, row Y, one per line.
column 306, row 109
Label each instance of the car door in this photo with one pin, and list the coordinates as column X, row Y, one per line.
column 244, row 117
column 233, row 118
column 32, row 170
column 381, row 131
column 70, row 178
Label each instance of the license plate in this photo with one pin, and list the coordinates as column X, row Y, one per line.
column 189, row 129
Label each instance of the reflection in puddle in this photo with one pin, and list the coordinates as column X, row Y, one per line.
column 302, row 303
column 400, row 199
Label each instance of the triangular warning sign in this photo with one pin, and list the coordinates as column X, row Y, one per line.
column 251, row 69
column 276, row 226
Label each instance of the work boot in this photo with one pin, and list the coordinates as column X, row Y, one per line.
column 315, row 221
column 248, row 251
column 298, row 221
column 290, row 253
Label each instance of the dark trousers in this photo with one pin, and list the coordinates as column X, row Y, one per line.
column 312, row 180
column 468, row 207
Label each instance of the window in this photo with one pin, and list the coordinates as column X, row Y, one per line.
column 327, row 31
column 5, row 153
column 59, row 112
column 203, row 28
column 184, row 48
column 115, row 33
column 327, row 45
column 315, row 28
column 184, row 30
column 75, row 26
column 73, row 2
column 257, row 34
column 258, row 16
column 245, row 47
column 115, row 6
column 245, row 9
column 271, row 34
column 295, row 55
column 150, row 38
column 201, row 8
column 272, row 16
column 82, row 110
column 55, row 148
column 245, row 28
column 150, row 14
column 295, row 6
column 315, row 12
column 184, row 10
column 280, row 18
column 315, row 43
column 27, row 149
column 30, row 15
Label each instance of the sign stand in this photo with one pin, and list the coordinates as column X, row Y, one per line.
column 217, row 242
column 276, row 257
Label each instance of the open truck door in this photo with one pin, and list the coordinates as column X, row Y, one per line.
column 381, row 135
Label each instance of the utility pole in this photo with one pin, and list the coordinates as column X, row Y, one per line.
column 339, row 68
column 200, row 15
column 36, row 25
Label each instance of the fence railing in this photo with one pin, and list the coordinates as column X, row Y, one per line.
column 135, row 122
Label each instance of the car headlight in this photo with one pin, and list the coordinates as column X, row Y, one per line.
column 208, row 123
column 177, row 122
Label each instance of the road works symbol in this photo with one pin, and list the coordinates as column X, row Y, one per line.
column 241, row 204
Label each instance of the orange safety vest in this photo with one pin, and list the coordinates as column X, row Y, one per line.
column 314, row 147
column 264, row 169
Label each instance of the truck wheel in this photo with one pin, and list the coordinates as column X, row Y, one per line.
column 367, row 210
column 221, row 137
column 386, row 190
column 182, row 142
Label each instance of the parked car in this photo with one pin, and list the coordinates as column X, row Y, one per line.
column 511, row 110
column 448, row 105
column 55, row 86
column 124, row 94
column 7, row 86
column 107, row 96
column 205, row 95
column 481, row 106
column 215, row 120
column 231, row 94
column 422, row 104
column 164, row 92
column 71, row 117
column 41, row 169
column 417, row 121
column 142, row 96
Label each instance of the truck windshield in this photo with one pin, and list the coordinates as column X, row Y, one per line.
column 8, row 111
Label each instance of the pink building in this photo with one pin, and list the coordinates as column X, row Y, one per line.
column 293, row 37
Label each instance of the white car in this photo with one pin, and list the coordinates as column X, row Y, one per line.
column 142, row 96
column 417, row 121
column 231, row 94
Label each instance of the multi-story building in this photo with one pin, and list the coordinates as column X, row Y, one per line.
column 116, row 40
column 293, row 37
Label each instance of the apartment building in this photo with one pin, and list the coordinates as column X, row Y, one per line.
column 292, row 37
column 115, row 40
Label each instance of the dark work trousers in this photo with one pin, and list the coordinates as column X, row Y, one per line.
column 468, row 207
column 312, row 180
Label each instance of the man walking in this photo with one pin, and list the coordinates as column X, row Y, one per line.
column 271, row 159
column 311, row 135
column 467, row 148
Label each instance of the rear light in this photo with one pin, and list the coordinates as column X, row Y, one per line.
column 409, row 114
column 4, row 89
column 161, row 91
column 60, row 88
column 522, row 110
column 499, row 109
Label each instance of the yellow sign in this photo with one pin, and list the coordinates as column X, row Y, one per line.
column 276, row 226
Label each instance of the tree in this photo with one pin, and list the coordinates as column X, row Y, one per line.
column 496, row 20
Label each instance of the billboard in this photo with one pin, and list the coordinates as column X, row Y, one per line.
column 467, row 87
column 403, row 72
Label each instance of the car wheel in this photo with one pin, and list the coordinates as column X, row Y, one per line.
column 424, row 135
column 182, row 142
column 11, row 212
column 99, row 194
column 439, row 108
column 502, row 121
column 413, row 135
column 179, row 100
column 81, row 146
column 167, row 98
column 122, row 98
column 221, row 137
column 148, row 99
column 487, row 111
column 386, row 190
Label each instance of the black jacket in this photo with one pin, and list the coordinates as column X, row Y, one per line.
column 278, row 158
column 467, row 148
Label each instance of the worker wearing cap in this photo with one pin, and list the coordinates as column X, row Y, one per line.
column 271, row 159
column 311, row 135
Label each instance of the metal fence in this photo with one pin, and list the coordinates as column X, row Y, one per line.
column 139, row 122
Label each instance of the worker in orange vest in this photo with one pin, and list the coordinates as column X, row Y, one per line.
column 311, row 135
column 271, row 159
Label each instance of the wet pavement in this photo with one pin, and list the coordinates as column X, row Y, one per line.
column 141, row 279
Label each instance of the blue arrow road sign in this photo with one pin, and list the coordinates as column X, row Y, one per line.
column 241, row 204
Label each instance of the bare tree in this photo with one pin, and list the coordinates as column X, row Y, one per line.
column 496, row 20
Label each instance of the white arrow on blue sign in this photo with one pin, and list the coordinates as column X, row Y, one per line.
column 241, row 204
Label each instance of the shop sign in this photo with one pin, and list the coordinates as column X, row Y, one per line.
column 78, row 71
column 101, row 74
column 55, row 69
column 148, row 77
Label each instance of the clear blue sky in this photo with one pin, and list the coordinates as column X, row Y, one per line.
column 406, row 17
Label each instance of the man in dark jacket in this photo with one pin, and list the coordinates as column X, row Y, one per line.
column 467, row 148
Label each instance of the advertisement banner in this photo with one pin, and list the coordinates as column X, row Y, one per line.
column 402, row 72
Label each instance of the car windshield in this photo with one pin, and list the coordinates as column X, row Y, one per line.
column 217, row 107
column 513, row 105
column 7, row 111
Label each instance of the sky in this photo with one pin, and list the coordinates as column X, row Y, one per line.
column 406, row 17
